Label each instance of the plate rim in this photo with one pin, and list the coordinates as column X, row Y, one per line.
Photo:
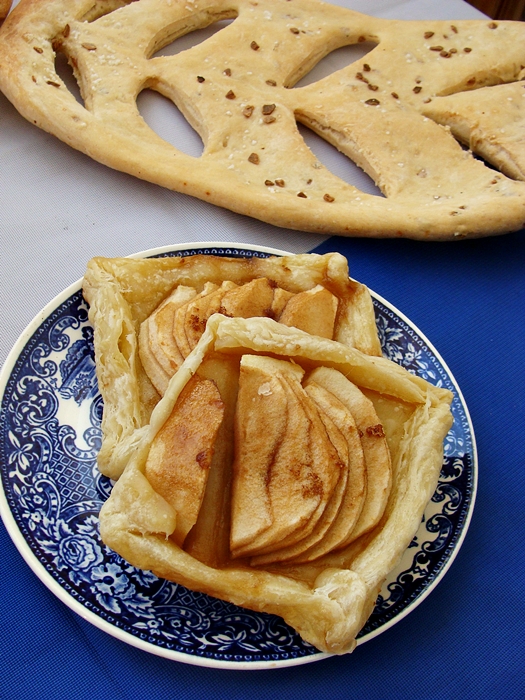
column 91, row 617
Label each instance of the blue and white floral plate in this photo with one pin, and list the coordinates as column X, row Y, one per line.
column 52, row 493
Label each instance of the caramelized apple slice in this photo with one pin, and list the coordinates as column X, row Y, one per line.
column 153, row 369
column 354, row 496
column 209, row 539
column 260, row 428
column 284, row 475
column 313, row 311
column 329, row 460
column 373, row 441
column 280, row 298
column 181, row 452
column 251, row 299
column 189, row 321
column 159, row 353
column 336, row 421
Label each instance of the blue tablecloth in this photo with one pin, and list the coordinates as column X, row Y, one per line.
column 465, row 640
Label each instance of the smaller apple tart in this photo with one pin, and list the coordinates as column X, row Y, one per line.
column 264, row 451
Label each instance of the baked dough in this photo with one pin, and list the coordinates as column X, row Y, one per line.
column 326, row 597
column 123, row 293
column 5, row 6
column 236, row 89
column 492, row 125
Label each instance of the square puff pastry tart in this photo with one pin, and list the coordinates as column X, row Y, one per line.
column 264, row 451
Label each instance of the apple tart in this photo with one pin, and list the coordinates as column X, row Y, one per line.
column 264, row 451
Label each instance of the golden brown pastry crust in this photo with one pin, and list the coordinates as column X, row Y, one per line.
column 235, row 89
column 329, row 599
column 5, row 6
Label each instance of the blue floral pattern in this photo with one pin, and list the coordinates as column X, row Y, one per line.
column 49, row 438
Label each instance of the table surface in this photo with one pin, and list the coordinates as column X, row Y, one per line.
column 59, row 208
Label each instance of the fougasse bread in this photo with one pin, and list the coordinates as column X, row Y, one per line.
column 266, row 465
column 5, row 6
column 397, row 112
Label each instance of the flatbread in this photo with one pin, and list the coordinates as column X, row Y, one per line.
column 5, row 6
column 236, row 89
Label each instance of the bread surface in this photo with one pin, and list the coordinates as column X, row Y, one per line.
column 394, row 112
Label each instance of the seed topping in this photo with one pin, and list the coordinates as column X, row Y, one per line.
column 254, row 158
column 255, row 46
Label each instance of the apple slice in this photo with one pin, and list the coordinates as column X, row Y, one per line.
column 159, row 353
column 285, row 468
column 373, row 441
column 336, row 421
column 153, row 369
column 209, row 539
column 251, row 299
column 313, row 311
column 190, row 319
column 280, row 298
column 180, row 454
column 260, row 428
column 354, row 496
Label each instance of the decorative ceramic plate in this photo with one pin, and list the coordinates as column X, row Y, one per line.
column 52, row 493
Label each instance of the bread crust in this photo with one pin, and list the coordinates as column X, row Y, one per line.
column 235, row 89
column 5, row 6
